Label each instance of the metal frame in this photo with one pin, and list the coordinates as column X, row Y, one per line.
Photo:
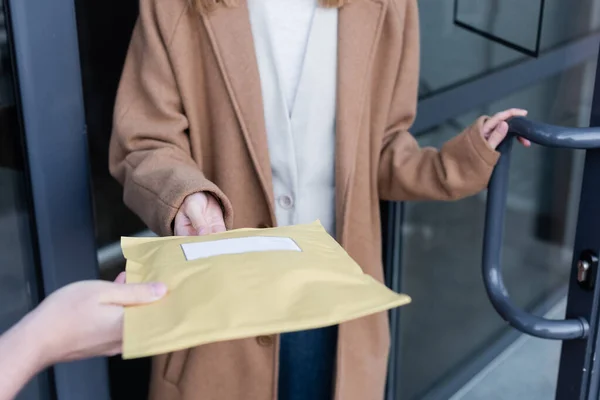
column 392, row 222
column 41, row 386
column 49, row 84
column 579, row 377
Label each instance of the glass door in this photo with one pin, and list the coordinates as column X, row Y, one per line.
column 450, row 343
column 578, row 376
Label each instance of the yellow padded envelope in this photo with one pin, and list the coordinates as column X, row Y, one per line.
column 245, row 283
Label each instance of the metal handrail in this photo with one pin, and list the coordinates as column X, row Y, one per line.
column 549, row 136
column 555, row 136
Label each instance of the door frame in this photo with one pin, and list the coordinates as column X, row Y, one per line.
column 578, row 376
column 46, row 55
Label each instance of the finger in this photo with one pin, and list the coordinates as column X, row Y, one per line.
column 196, row 213
column 121, row 278
column 133, row 294
column 492, row 122
column 215, row 218
column 218, row 228
column 512, row 112
column 524, row 141
column 182, row 225
column 115, row 349
column 498, row 135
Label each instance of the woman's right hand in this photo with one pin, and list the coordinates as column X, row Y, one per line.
column 200, row 214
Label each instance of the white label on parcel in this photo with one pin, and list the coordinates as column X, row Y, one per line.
column 254, row 244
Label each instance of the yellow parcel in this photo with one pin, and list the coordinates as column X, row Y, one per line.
column 245, row 283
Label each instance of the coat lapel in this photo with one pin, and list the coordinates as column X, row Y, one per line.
column 231, row 36
column 359, row 30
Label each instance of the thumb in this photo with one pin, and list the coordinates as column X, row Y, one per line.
column 498, row 135
column 134, row 294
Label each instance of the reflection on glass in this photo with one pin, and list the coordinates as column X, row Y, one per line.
column 18, row 291
column 451, row 321
column 515, row 22
column 451, row 54
column 565, row 21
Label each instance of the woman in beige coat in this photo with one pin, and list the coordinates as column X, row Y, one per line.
column 280, row 112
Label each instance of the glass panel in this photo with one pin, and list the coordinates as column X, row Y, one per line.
column 451, row 54
column 451, row 322
column 512, row 21
column 565, row 21
column 518, row 375
column 18, row 286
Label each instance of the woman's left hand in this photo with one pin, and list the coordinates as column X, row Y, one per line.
column 495, row 128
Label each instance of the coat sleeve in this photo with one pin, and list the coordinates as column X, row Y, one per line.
column 150, row 152
column 461, row 168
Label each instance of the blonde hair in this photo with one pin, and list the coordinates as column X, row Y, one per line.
column 205, row 6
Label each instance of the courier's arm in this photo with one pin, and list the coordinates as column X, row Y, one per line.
column 81, row 320
column 22, row 358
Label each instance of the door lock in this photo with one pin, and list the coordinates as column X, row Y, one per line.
column 583, row 269
column 587, row 266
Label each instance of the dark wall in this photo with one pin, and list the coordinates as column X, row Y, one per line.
column 104, row 31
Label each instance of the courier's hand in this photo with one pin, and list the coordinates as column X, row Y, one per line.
column 200, row 214
column 85, row 319
column 495, row 128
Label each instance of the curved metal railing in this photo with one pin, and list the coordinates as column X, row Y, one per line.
column 549, row 136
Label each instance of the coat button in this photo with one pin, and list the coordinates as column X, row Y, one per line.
column 286, row 202
column 265, row 341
